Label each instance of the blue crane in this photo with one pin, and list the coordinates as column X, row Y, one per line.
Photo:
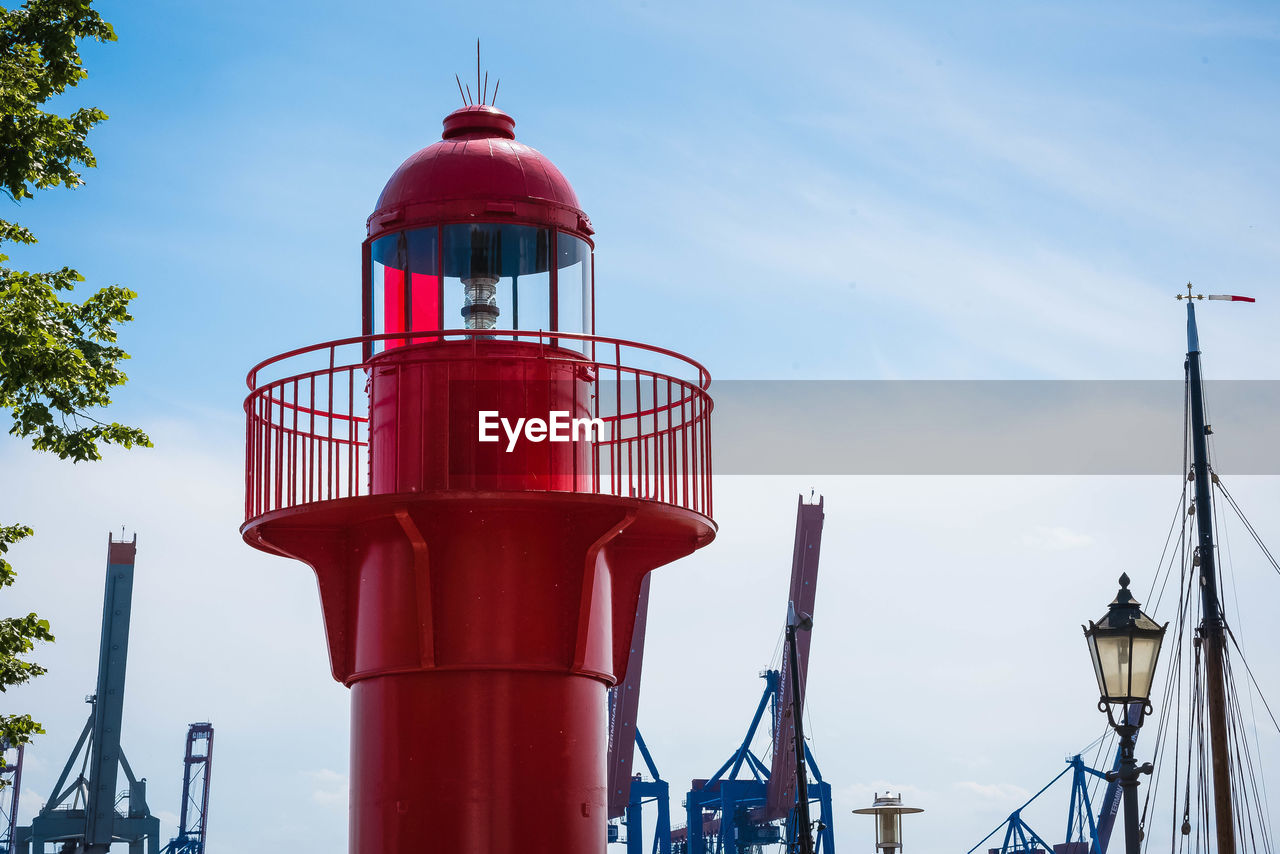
column 1088, row 830
column 731, row 809
column 197, row 769
column 764, row 806
column 10, row 779
column 749, row 803
column 629, row 793
column 642, row 792
column 83, row 813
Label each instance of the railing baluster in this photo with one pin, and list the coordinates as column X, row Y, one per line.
column 331, row 481
column 351, row 431
column 653, row 445
column 311, row 440
column 637, row 443
column 706, row 459
column 595, row 442
column 276, row 485
column 257, row 454
column 674, row 396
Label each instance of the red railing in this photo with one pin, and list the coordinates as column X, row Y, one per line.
column 307, row 436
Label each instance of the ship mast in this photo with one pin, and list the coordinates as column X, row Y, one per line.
column 1212, row 625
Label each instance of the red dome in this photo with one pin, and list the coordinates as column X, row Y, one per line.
column 478, row 172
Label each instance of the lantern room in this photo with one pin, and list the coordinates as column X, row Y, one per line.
column 476, row 232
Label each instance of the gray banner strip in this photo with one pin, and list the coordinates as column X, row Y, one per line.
column 987, row 427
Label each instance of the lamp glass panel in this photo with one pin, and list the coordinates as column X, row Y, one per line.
column 1113, row 661
column 387, row 280
column 1097, row 665
column 405, row 287
column 573, row 286
column 423, row 310
column 509, row 266
column 889, row 829
column 1144, row 653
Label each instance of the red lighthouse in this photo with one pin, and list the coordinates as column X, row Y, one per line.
column 480, row 483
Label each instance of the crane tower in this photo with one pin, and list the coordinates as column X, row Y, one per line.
column 82, row 813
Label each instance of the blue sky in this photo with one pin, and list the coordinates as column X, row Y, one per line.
column 907, row 190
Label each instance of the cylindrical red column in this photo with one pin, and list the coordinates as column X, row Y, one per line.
column 478, row 762
column 482, row 651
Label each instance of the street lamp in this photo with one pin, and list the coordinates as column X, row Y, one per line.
column 1124, row 646
column 888, row 811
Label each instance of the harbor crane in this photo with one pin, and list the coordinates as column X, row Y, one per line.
column 197, row 768
column 11, row 781
column 749, row 803
column 1088, row 828
column 761, row 807
column 82, row 812
column 629, row 793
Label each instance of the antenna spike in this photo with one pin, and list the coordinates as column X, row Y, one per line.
column 495, row 91
column 486, row 88
column 470, row 100
column 460, row 92
column 477, row 65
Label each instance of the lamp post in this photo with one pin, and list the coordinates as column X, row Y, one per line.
column 803, row 622
column 1125, row 646
column 888, row 811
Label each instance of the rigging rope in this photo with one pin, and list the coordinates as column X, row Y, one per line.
column 1248, row 526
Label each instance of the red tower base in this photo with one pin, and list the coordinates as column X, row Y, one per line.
column 479, row 633
column 408, row 789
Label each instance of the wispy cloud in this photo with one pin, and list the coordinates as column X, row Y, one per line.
column 993, row 793
column 1055, row 538
column 328, row 788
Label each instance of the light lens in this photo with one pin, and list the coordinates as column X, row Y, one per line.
column 480, row 302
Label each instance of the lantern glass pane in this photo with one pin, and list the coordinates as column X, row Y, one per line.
column 1097, row 665
column 573, row 286
column 405, row 285
column 497, row 277
column 1144, row 654
column 889, row 829
column 1112, row 660
column 387, row 271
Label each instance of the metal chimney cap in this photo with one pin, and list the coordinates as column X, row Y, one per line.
column 887, row 804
